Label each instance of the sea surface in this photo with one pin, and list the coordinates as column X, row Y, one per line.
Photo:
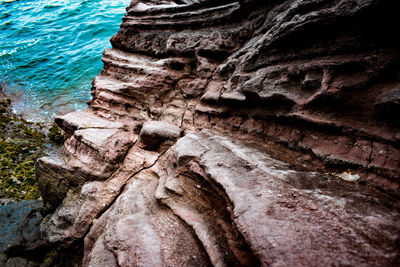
column 51, row 50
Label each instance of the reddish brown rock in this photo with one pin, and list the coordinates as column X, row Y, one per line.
column 275, row 102
column 305, row 218
column 244, row 208
column 155, row 133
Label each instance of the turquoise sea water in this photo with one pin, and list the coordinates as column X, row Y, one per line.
column 50, row 51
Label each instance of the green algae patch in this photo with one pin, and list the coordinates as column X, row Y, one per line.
column 21, row 144
column 17, row 167
column 56, row 135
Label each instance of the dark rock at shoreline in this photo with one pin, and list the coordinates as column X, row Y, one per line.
column 21, row 144
column 20, row 233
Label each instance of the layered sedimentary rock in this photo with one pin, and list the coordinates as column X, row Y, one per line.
column 214, row 131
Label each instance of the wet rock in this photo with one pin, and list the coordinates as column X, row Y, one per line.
column 21, row 144
column 56, row 134
column 19, row 232
column 20, row 262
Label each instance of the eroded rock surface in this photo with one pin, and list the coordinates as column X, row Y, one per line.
column 214, row 133
column 285, row 216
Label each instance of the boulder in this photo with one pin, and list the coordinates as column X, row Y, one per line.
column 19, row 233
column 154, row 133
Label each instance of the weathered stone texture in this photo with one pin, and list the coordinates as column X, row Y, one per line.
column 215, row 130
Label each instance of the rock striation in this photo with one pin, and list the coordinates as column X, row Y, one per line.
column 214, row 133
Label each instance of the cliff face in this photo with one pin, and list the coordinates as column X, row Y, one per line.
column 214, row 130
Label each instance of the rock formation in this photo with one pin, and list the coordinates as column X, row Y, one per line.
column 216, row 129
column 19, row 231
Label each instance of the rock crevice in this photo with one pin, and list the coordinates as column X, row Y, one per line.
column 214, row 133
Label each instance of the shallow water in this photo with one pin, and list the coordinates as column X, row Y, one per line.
column 50, row 51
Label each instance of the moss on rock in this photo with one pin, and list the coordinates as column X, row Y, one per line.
column 56, row 135
column 21, row 144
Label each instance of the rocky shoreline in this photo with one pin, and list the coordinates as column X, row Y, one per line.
column 21, row 144
column 234, row 133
